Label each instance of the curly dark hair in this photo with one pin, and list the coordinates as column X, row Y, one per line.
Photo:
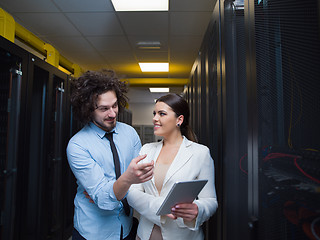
column 86, row 89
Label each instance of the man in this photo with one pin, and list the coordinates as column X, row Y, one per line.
column 97, row 98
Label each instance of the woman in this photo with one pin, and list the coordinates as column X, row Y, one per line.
column 177, row 158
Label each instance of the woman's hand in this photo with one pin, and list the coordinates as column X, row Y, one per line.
column 187, row 211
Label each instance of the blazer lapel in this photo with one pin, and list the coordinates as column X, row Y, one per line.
column 182, row 157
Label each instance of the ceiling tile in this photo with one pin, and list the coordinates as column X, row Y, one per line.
column 96, row 24
column 184, row 49
column 92, row 35
column 182, row 61
column 86, row 56
column 152, row 56
column 185, row 43
column 189, row 23
column 124, row 70
column 192, row 5
column 138, row 23
column 117, row 57
column 95, row 66
column 84, row 5
column 114, row 43
column 70, row 43
column 51, row 24
column 14, row 6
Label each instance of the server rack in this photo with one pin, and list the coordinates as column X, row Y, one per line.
column 287, row 59
column 125, row 116
column 11, row 84
column 260, row 60
column 44, row 186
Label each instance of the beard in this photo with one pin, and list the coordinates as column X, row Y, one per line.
column 106, row 126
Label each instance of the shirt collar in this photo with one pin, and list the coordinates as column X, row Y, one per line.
column 101, row 132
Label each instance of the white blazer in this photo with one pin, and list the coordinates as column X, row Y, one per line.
column 193, row 161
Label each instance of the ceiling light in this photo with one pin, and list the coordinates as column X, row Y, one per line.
column 149, row 45
column 159, row 89
column 154, row 67
column 140, row 5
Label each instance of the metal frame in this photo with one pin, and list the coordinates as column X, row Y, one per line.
column 253, row 173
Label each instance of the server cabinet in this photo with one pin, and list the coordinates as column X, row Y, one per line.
column 287, row 40
column 71, row 126
column 267, row 103
column 125, row 116
column 145, row 133
column 237, row 174
column 37, row 186
column 10, row 112
column 203, row 94
column 47, row 143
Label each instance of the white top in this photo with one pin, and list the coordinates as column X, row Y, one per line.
column 193, row 161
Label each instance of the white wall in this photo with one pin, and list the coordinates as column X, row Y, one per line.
column 142, row 113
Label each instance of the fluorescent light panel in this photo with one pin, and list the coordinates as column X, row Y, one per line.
column 140, row 5
column 154, row 67
column 159, row 89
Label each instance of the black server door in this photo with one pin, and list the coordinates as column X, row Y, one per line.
column 10, row 100
column 288, row 99
column 235, row 114
column 44, row 217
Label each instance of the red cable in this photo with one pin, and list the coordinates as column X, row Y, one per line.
column 240, row 164
column 304, row 173
column 277, row 155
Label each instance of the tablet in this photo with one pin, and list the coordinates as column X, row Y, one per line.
column 181, row 192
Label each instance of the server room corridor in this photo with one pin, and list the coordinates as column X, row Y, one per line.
column 249, row 70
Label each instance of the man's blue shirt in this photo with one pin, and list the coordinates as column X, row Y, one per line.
column 91, row 161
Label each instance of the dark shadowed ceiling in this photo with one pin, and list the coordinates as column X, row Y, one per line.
column 91, row 34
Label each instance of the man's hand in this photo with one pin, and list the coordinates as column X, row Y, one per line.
column 135, row 173
column 138, row 173
column 187, row 211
